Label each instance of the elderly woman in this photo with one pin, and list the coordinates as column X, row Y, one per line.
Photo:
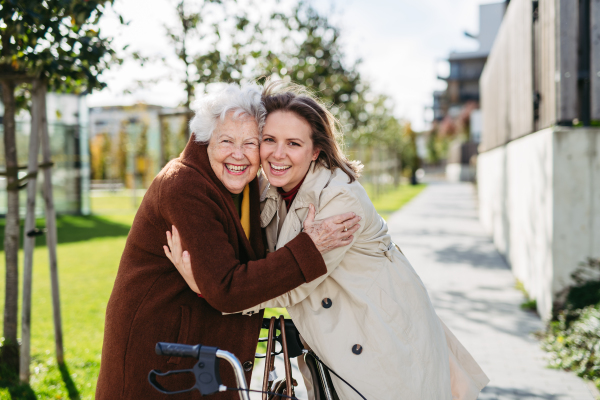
column 211, row 194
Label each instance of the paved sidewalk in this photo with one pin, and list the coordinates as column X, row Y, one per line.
column 473, row 292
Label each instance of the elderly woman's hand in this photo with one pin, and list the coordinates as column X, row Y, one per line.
column 180, row 259
column 332, row 232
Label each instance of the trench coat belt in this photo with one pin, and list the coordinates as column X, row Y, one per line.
column 387, row 249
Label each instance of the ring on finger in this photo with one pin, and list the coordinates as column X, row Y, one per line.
column 345, row 229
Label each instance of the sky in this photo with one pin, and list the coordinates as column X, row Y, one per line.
column 402, row 45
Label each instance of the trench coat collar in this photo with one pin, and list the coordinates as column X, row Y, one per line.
column 316, row 180
column 195, row 155
column 270, row 201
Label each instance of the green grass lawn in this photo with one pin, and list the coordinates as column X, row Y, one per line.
column 118, row 202
column 392, row 198
column 88, row 256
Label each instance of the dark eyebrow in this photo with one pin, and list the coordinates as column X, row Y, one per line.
column 293, row 139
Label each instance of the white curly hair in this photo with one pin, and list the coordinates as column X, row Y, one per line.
column 244, row 100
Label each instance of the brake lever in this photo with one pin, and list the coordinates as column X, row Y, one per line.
column 154, row 373
column 206, row 372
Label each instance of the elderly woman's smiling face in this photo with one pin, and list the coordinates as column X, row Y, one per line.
column 233, row 151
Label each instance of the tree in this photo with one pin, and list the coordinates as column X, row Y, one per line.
column 180, row 37
column 311, row 56
column 56, row 41
column 308, row 52
column 198, row 22
column 300, row 45
column 410, row 156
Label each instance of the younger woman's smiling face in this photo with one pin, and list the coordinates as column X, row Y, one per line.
column 287, row 149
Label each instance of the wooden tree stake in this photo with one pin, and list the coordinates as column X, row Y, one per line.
column 51, row 239
column 28, row 238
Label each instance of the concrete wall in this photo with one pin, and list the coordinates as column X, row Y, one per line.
column 539, row 198
column 576, row 199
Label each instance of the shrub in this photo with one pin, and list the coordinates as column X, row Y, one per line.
column 587, row 294
column 586, row 291
column 574, row 342
column 573, row 337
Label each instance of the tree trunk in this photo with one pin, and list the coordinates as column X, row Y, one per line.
column 10, row 349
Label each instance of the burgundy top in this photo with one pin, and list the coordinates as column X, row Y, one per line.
column 291, row 195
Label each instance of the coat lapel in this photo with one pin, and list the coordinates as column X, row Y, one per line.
column 316, row 180
column 269, row 201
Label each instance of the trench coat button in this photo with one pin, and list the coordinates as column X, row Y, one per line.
column 357, row 349
column 326, row 303
column 248, row 366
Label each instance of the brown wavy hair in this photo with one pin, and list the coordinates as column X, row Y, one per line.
column 281, row 96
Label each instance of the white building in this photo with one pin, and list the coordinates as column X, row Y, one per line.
column 539, row 169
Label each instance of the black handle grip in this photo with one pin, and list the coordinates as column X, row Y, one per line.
column 177, row 350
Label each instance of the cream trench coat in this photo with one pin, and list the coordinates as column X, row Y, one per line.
column 370, row 297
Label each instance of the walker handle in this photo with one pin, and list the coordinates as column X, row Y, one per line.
column 206, row 370
column 177, row 350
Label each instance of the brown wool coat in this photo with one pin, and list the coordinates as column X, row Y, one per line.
column 151, row 302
